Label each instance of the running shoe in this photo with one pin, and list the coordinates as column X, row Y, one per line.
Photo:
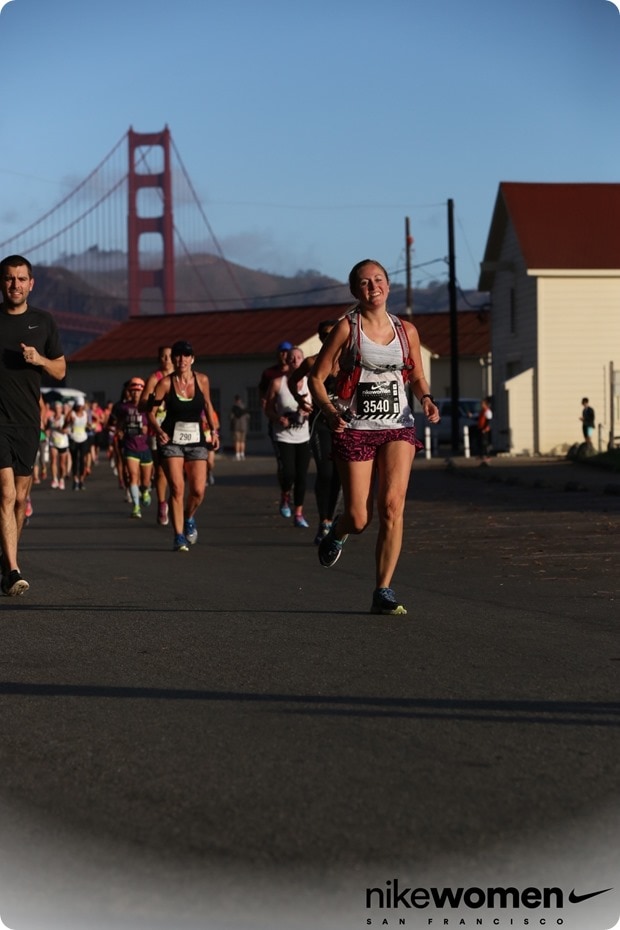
column 146, row 497
column 54, row 483
column 322, row 531
column 13, row 584
column 301, row 522
column 330, row 549
column 285, row 506
column 61, row 484
column 136, row 513
column 191, row 533
column 180, row 543
column 29, row 511
column 162, row 514
column 384, row 601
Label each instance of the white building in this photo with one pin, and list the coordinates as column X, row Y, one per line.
column 552, row 267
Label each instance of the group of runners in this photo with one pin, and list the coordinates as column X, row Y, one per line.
column 70, row 441
column 164, row 433
column 357, row 389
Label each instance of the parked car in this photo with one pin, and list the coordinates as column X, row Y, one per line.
column 441, row 433
column 64, row 395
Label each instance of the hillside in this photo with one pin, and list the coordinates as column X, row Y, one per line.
column 61, row 290
column 93, row 287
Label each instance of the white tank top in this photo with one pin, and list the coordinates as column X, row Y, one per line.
column 380, row 400
column 285, row 403
column 79, row 423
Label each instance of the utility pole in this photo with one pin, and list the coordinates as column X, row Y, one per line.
column 408, row 244
column 454, row 333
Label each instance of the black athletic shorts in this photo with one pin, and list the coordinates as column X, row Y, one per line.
column 18, row 448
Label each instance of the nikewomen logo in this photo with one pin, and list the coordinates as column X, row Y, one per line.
column 577, row 898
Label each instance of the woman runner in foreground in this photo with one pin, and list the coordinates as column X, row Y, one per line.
column 372, row 422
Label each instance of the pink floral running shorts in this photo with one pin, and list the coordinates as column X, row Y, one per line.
column 361, row 445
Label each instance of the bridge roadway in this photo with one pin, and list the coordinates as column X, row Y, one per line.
column 227, row 739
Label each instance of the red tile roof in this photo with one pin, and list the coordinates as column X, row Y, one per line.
column 213, row 334
column 474, row 332
column 558, row 226
column 236, row 333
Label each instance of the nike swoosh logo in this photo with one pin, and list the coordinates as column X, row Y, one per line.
column 578, row 898
column 36, row 326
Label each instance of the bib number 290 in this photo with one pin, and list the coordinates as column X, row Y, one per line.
column 185, row 433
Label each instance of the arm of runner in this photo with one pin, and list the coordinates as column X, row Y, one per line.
column 54, row 367
column 419, row 385
column 323, row 367
column 203, row 381
column 158, row 395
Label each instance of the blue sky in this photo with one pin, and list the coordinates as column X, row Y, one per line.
column 311, row 129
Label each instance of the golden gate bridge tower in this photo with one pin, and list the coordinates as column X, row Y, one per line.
column 143, row 278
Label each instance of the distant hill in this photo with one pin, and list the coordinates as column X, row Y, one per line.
column 95, row 284
column 59, row 289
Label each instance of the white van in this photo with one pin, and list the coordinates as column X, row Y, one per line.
column 64, row 395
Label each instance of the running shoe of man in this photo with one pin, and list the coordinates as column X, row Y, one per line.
column 13, row 584
column 180, row 543
column 136, row 513
column 384, row 601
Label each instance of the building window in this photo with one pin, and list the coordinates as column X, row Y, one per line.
column 513, row 311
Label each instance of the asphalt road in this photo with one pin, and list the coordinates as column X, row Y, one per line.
column 228, row 739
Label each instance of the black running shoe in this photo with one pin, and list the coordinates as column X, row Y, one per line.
column 384, row 601
column 330, row 549
column 13, row 584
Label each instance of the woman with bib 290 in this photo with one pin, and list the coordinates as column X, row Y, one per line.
column 181, row 441
column 372, row 422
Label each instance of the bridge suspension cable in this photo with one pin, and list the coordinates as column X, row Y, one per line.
column 86, row 230
column 214, row 238
column 91, row 180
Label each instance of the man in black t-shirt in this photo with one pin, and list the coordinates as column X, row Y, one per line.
column 29, row 346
